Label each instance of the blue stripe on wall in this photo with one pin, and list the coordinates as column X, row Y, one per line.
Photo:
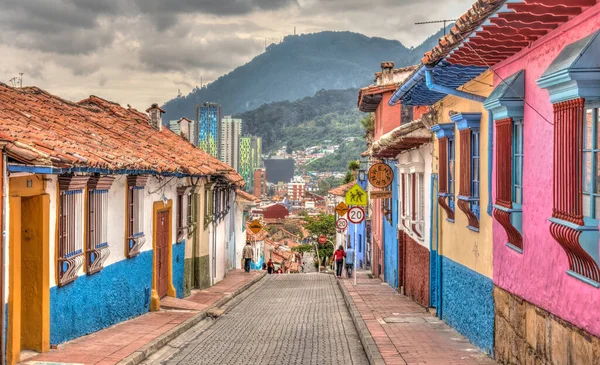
column 390, row 237
column 178, row 259
column 119, row 292
column 468, row 303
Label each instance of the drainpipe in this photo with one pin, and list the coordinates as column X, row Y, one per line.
column 431, row 85
column 409, row 84
column 490, row 159
column 4, row 247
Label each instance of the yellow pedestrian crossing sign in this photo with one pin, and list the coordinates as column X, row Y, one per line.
column 356, row 196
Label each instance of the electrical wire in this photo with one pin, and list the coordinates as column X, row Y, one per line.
column 503, row 81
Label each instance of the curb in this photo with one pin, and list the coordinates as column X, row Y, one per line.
column 366, row 339
column 150, row 348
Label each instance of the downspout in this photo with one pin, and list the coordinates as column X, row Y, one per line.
column 4, row 247
column 490, row 159
column 431, row 255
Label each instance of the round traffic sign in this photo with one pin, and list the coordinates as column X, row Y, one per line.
column 341, row 224
column 356, row 215
column 322, row 239
column 381, row 175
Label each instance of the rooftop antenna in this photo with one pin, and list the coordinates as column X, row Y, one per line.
column 438, row 21
column 21, row 78
column 294, row 30
column 13, row 81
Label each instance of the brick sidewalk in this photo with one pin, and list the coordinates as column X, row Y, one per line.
column 405, row 333
column 113, row 344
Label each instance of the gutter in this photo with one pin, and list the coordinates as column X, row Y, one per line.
column 431, row 85
column 416, row 77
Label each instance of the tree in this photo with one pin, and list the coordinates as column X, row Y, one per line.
column 289, row 149
column 348, row 177
column 293, row 229
column 323, row 224
column 353, row 167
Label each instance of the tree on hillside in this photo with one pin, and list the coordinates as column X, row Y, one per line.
column 323, row 224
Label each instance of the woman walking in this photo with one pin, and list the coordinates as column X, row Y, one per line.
column 338, row 256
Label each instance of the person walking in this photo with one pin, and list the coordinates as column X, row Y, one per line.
column 338, row 257
column 270, row 267
column 248, row 254
column 349, row 261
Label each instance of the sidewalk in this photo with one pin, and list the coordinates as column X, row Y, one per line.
column 114, row 344
column 404, row 332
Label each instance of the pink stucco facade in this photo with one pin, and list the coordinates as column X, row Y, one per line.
column 539, row 274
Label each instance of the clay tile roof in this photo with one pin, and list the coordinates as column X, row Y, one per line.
column 44, row 130
column 341, row 190
column 247, row 196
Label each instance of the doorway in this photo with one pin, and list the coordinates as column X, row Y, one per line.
column 29, row 291
column 162, row 253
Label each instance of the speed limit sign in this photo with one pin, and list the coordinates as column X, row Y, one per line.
column 341, row 224
column 356, row 215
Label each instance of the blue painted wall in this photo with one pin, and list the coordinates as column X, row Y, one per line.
column 119, row 292
column 178, row 260
column 357, row 233
column 390, row 237
column 468, row 303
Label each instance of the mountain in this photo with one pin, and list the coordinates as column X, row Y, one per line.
column 298, row 67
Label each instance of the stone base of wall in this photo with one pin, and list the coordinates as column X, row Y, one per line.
column 528, row 335
column 416, row 280
column 202, row 277
column 188, row 277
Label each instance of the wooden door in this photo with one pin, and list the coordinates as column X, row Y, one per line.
column 162, row 253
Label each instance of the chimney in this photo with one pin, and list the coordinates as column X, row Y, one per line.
column 185, row 128
column 386, row 73
column 155, row 114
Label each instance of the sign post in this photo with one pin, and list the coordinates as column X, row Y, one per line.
column 256, row 226
column 356, row 215
column 341, row 209
column 322, row 239
column 356, row 196
column 341, row 224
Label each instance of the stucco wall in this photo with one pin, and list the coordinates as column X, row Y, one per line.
column 468, row 303
column 390, row 237
column 386, row 117
column 178, row 259
column 91, row 303
column 459, row 243
column 538, row 275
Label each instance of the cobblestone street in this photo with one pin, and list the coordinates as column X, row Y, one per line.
column 285, row 319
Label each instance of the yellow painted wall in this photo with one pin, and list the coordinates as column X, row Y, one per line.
column 458, row 243
column 204, row 236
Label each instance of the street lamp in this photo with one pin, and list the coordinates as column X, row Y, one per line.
column 362, row 175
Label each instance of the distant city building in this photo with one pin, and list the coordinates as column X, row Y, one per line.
column 250, row 158
column 260, row 182
column 183, row 127
column 208, row 121
column 279, row 170
column 296, row 188
column 231, row 130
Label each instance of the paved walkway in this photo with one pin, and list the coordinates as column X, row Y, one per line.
column 286, row 319
column 404, row 332
column 113, row 344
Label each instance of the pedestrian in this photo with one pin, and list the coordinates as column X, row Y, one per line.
column 338, row 257
column 270, row 266
column 349, row 261
column 248, row 254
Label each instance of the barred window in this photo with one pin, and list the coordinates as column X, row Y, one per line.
column 135, row 214
column 70, row 227
column 97, row 243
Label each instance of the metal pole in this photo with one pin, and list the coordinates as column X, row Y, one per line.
column 318, row 258
column 355, row 253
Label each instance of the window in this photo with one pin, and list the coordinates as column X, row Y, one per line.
column 70, row 227
column 418, row 205
column 517, row 162
column 451, row 171
column 135, row 214
column 475, row 206
column 97, row 236
column 179, row 218
column 591, row 172
column 208, row 205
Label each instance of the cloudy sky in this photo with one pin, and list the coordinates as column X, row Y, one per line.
column 143, row 51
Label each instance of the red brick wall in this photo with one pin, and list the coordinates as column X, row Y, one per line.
column 416, row 275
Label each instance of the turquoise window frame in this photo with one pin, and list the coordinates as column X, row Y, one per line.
column 589, row 239
column 451, row 171
column 475, row 172
column 517, row 155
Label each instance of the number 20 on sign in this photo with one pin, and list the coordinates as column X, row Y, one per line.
column 356, row 215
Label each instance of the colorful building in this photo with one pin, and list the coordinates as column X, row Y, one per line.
column 250, row 159
column 93, row 212
column 384, row 213
column 209, row 123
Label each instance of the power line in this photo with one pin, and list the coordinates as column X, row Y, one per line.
column 502, row 80
column 438, row 21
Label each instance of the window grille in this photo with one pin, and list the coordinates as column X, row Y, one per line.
column 70, row 227
column 135, row 214
column 97, row 250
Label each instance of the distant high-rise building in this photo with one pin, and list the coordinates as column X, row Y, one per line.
column 250, row 158
column 279, row 170
column 260, row 182
column 296, row 188
column 231, row 129
column 208, row 121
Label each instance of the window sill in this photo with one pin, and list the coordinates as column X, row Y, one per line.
column 584, row 279
column 474, row 229
column 573, row 225
column 513, row 247
column 508, row 210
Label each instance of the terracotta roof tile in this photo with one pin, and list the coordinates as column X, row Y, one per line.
column 341, row 190
column 247, row 196
column 44, row 130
